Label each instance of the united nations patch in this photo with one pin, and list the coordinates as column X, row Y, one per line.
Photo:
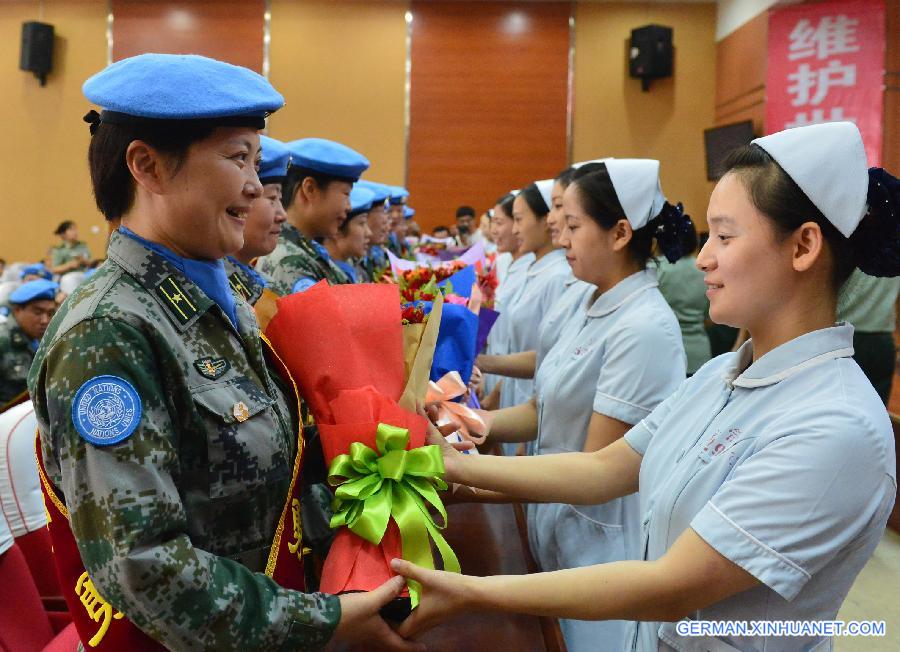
column 106, row 410
column 212, row 368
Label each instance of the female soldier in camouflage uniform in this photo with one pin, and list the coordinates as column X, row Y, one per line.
column 163, row 431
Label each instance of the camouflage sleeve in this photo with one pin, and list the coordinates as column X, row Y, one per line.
column 290, row 270
column 130, row 522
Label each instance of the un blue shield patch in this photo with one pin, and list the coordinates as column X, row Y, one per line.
column 106, row 410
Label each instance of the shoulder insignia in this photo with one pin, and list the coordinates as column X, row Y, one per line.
column 237, row 284
column 177, row 299
column 212, row 368
column 106, row 410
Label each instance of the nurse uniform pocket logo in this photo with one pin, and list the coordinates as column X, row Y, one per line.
column 718, row 443
column 106, row 410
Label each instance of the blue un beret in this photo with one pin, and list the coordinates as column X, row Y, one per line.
column 408, row 212
column 32, row 291
column 328, row 157
column 180, row 87
column 382, row 192
column 37, row 269
column 399, row 195
column 275, row 160
column 360, row 200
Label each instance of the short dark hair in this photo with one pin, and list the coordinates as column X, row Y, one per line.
column 297, row 174
column 565, row 177
column 110, row 177
column 64, row 226
column 506, row 203
column 774, row 194
column 440, row 228
column 465, row 211
column 535, row 201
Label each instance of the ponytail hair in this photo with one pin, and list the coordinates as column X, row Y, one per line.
column 670, row 227
column 876, row 241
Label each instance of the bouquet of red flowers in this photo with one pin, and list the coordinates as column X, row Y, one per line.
column 361, row 373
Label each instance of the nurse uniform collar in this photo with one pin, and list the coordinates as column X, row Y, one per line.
column 828, row 163
column 636, row 182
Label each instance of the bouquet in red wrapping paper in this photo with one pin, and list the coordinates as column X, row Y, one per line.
column 361, row 372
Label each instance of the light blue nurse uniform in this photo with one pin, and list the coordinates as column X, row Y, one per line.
column 620, row 356
column 785, row 466
column 571, row 301
column 544, row 284
column 498, row 339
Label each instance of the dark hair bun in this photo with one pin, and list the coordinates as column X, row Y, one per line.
column 672, row 228
column 876, row 241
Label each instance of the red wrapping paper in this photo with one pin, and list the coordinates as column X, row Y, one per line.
column 343, row 345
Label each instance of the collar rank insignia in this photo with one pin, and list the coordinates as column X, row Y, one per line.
column 240, row 411
column 176, row 299
column 238, row 286
column 212, row 368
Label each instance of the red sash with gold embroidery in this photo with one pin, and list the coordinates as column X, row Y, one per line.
column 100, row 626
column 285, row 564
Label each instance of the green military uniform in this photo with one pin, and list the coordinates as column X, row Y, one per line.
column 682, row 286
column 174, row 522
column 243, row 282
column 869, row 303
column 67, row 251
column 296, row 258
column 16, row 354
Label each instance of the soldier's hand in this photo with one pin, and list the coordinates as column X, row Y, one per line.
column 361, row 625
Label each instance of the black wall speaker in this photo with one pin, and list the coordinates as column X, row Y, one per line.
column 37, row 49
column 651, row 53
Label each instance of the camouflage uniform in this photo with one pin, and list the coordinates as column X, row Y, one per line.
column 375, row 262
column 64, row 252
column 296, row 257
column 174, row 523
column 16, row 355
column 243, row 283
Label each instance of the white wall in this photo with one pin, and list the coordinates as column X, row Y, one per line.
column 734, row 13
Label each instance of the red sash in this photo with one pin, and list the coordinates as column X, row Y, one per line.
column 100, row 626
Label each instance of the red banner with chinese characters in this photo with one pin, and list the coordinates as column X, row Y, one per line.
column 826, row 64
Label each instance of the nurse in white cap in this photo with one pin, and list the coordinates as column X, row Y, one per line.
column 767, row 479
column 617, row 356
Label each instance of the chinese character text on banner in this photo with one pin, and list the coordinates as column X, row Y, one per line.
column 826, row 63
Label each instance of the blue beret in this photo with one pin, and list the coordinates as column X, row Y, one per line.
column 382, row 192
column 180, row 87
column 37, row 269
column 399, row 194
column 360, row 200
column 32, row 291
column 328, row 157
column 275, row 160
column 408, row 212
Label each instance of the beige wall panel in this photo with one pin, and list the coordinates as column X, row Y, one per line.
column 613, row 117
column 45, row 168
column 341, row 68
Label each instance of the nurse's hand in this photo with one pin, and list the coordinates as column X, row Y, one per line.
column 450, row 452
column 443, row 596
column 362, row 627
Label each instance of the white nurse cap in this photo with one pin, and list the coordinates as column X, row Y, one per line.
column 580, row 164
column 828, row 163
column 636, row 182
column 545, row 186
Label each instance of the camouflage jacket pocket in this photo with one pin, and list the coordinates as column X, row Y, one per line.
column 243, row 444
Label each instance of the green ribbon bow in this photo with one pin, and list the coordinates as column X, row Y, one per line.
column 393, row 483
